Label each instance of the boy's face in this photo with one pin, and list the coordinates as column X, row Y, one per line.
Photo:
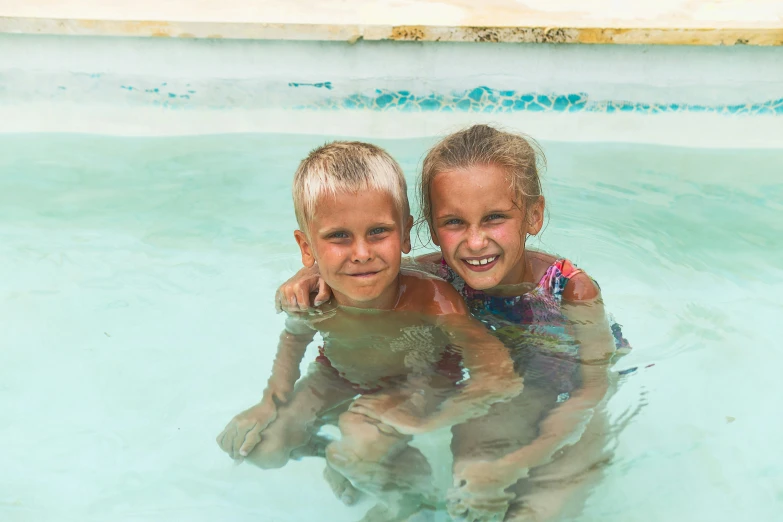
column 357, row 241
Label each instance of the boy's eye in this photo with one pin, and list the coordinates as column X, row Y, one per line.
column 338, row 235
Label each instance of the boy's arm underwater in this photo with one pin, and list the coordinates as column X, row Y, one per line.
column 243, row 433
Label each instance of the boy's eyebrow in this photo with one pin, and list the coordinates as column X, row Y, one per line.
column 382, row 224
column 332, row 230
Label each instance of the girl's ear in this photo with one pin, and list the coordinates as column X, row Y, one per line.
column 535, row 216
column 433, row 236
column 406, row 235
column 308, row 259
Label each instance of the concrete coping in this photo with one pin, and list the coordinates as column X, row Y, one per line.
column 674, row 22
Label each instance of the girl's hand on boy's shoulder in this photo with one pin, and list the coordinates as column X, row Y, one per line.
column 295, row 294
column 581, row 288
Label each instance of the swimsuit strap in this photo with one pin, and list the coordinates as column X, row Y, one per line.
column 557, row 276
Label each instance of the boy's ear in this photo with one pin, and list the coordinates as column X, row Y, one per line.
column 406, row 235
column 535, row 216
column 308, row 259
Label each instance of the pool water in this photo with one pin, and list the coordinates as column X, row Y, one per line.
column 137, row 312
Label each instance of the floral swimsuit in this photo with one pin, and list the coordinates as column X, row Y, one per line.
column 533, row 326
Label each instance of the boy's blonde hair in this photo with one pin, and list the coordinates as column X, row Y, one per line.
column 346, row 166
column 519, row 155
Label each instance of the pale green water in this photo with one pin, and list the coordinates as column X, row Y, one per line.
column 136, row 305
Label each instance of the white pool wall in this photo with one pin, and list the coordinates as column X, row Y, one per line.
column 711, row 96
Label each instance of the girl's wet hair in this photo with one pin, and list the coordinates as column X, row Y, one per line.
column 519, row 155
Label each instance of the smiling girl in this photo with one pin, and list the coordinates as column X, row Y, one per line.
column 481, row 198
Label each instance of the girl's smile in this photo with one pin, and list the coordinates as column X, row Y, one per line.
column 481, row 264
column 480, row 226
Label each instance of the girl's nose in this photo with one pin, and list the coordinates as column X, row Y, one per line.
column 477, row 239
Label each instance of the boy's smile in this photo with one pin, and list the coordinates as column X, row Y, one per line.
column 357, row 239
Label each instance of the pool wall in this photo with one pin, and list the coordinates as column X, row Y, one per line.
column 716, row 96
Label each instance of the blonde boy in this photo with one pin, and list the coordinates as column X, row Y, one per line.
column 386, row 329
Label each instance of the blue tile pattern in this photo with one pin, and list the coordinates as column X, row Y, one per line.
column 488, row 100
column 327, row 85
column 255, row 94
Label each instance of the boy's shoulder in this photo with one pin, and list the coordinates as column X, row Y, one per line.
column 428, row 294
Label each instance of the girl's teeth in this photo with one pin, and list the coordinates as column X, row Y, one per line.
column 476, row 262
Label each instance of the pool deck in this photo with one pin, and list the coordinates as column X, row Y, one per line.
column 673, row 22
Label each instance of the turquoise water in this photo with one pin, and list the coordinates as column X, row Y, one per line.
column 137, row 313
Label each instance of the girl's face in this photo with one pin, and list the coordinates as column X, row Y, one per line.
column 480, row 227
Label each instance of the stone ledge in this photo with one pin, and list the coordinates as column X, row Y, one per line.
column 674, row 22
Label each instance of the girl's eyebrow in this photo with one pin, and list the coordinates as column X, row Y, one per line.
column 495, row 211
column 444, row 216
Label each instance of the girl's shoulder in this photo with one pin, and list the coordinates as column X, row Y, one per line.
column 581, row 288
column 562, row 278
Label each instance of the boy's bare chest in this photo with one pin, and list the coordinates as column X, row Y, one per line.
column 370, row 347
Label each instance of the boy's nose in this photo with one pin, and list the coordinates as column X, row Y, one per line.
column 361, row 252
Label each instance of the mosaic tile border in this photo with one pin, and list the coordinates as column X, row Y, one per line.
column 489, row 100
column 185, row 94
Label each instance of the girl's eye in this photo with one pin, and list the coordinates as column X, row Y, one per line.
column 378, row 230
column 494, row 217
column 453, row 221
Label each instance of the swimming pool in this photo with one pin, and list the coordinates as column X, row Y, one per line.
column 140, row 270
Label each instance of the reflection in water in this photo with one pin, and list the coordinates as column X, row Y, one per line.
column 384, row 377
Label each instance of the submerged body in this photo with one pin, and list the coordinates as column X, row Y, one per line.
column 544, row 446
